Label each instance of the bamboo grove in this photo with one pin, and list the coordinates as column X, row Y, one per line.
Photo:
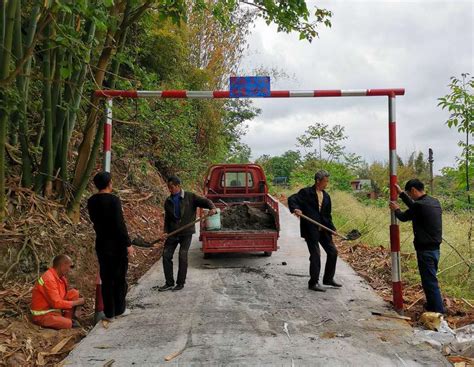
column 55, row 53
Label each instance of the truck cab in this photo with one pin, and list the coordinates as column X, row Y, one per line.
column 239, row 181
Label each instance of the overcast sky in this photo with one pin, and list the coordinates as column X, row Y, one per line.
column 416, row 45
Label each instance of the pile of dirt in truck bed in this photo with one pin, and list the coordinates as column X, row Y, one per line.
column 239, row 217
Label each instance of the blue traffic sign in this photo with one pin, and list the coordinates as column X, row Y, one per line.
column 249, row 86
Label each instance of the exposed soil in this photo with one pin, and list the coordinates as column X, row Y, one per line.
column 37, row 230
column 374, row 265
column 244, row 216
column 259, row 271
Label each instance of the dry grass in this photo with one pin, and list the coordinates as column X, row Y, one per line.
column 373, row 222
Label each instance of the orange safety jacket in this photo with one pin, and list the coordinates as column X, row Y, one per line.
column 49, row 294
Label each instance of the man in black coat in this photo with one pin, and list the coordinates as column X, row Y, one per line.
column 315, row 203
column 426, row 215
column 180, row 209
column 112, row 245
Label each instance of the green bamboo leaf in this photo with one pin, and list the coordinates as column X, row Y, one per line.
column 65, row 72
column 108, row 3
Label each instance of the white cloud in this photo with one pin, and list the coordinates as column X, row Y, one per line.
column 417, row 45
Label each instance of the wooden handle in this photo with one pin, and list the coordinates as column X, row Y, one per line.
column 391, row 316
column 169, row 357
column 322, row 226
column 181, row 228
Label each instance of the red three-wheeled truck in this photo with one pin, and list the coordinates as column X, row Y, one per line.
column 231, row 185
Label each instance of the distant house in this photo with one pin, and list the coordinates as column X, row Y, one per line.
column 362, row 185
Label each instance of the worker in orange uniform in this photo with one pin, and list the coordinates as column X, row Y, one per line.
column 52, row 303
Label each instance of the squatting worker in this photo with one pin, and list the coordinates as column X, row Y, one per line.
column 112, row 245
column 52, row 303
column 426, row 215
column 315, row 203
column 180, row 209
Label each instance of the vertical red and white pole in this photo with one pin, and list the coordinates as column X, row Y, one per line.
column 99, row 301
column 394, row 228
column 108, row 135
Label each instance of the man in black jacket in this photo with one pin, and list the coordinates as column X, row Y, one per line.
column 180, row 209
column 426, row 215
column 315, row 203
column 112, row 245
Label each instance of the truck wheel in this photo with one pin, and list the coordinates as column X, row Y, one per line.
column 206, row 255
column 267, row 253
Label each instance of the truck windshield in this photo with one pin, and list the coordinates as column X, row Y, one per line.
column 236, row 179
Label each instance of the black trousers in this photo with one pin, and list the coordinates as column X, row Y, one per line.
column 325, row 240
column 171, row 243
column 113, row 273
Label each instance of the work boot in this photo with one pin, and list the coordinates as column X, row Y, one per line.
column 317, row 287
column 165, row 287
column 332, row 283
column 178, row 287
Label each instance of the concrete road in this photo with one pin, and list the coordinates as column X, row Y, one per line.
column 250, row 310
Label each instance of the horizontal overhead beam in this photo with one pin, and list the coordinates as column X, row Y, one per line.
column 200, row 94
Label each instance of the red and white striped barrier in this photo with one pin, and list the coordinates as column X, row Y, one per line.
column 202, row 94
column 390, row 93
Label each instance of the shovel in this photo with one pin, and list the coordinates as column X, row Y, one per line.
column 140, row 242
column 351, row 236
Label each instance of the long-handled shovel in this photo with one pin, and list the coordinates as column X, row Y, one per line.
column 351, row 236
column 140, row 242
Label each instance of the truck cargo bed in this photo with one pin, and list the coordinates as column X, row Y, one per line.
column 253, row 222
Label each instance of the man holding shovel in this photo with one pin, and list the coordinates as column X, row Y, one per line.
column 426, row 215
column 180, row 210
column 315, row 204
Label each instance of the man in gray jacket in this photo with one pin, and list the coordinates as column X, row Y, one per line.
column 180, row 209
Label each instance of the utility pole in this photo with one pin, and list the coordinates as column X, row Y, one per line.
column 431, row 160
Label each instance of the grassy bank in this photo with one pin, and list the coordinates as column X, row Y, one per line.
column 373, row 222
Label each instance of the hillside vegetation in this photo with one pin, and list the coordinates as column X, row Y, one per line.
column 455, row 276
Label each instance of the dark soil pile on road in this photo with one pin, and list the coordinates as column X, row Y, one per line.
column 244, row 216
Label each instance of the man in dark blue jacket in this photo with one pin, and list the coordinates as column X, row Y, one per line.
column 315, row 203
column 180, row 210
column 426, row 215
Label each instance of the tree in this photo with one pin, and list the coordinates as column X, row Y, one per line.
column 121, row 16
column 239, row 153
column 289, row 17
column 318, row 132
column 460, row 103
column 340, row 178
column 329, row 141
column 54, row 54
column 8, row 14
column 280, row 166
column 236, row 112
column 421, row 166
